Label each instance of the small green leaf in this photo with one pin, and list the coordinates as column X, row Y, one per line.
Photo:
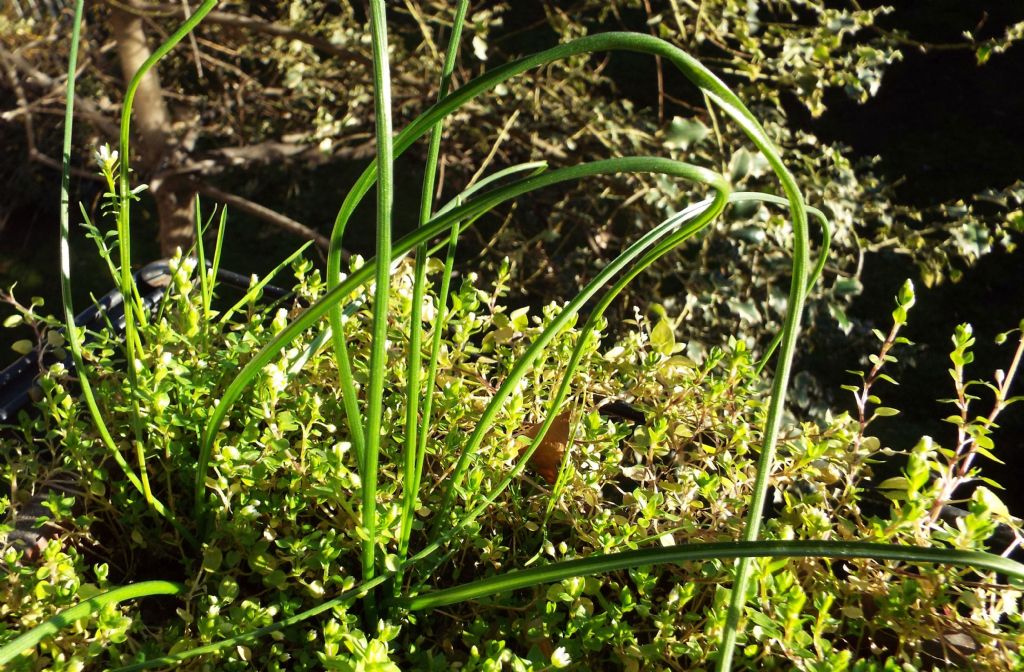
column 986, row 453
column 991, row 502
column 886, row 412
column 684, row 132
column 906, row 294
column 848, row 287
column 739, row 165
column 989, row 481
column 662, row 338
column 894, row 483
column 22, row 347
column 745, row 309
column 839, row 315
column 275, row 579
column 13, row 321
column 212, row 559
column 680, row 362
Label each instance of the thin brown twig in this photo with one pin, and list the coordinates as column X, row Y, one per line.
column 659, row 70
column 266, row 214
column 248, row 23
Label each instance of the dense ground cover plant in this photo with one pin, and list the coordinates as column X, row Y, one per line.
column 287, row 533
column 313, row 491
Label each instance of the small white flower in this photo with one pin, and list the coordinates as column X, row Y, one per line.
column 560, row 658
column 106, row 157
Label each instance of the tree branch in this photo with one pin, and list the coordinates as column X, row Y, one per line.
column 266, row 214
column 50, row 162
column 250, row 23
column 89, row 110
column 263, row 153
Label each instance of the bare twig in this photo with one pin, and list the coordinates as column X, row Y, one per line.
column 263, row 153
column 89, row 109
column 250, row 23
column 50, row 162
column 19, row 93
column 266, row 214
column 192, row 39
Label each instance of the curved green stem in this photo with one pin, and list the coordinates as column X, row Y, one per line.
column 381, row 291
column 69, row 616
column 125, row 195
column 74, row 334
column 612, row 562
column 437, row 226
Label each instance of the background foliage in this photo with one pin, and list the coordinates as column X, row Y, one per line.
column 271, row 91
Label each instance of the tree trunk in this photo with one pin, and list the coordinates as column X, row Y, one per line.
column 155, row 144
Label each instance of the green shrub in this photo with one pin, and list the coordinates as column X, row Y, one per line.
column 286, row 533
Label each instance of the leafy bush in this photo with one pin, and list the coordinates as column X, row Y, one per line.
column 297, row 530
column 303, row 96
column 286, row 530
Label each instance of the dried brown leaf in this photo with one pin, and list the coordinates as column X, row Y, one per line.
column 547, row 459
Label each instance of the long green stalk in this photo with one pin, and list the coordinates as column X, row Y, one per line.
column 437, row 226
column 125, row 196
column 415, row 439
column 74, row 334
column 601, row 564
column 93, row 605
column 615, row 562
column 381, row 290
